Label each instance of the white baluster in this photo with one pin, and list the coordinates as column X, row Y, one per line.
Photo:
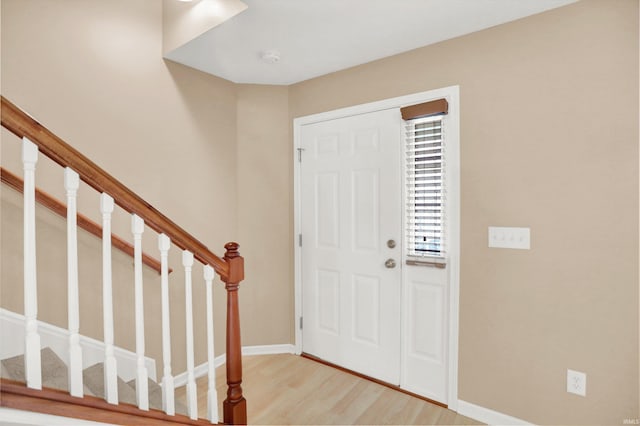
column 192, row 407
column 168, row 404
column 32, row 368
column 110, row 365
column 142, row 385
column 212, row 393
column 71, row 184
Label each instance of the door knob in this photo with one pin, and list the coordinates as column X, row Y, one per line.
column 390, row 263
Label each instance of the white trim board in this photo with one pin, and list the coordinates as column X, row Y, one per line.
column 9, row 416
column 452, row 93
column 284, row 348
column 488, row 416
column 202, row 369
column 57, row 338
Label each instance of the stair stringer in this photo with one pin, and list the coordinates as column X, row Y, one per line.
column 21, row 417
column 15, row 395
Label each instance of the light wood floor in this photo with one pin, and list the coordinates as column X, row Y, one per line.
column 288, row 389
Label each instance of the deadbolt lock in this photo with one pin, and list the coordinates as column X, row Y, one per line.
column 391, row 243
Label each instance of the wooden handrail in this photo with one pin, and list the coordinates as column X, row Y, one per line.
column 84, row 222
column 22, row 125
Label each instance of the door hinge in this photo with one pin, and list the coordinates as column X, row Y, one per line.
column 300, row 323
column 300, row 240
column 300, row 154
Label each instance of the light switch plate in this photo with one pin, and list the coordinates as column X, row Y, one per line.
column 514, row 238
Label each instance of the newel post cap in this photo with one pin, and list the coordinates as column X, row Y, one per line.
column 236, row 263
column 232, row 250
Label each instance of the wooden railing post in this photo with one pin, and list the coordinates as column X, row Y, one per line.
column 235, row 406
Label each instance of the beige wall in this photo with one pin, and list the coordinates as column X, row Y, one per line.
column 264, row 216
column 549, row 140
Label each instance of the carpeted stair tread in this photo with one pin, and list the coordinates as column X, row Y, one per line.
column 5, row 373
column 55, row 375
column 181, row 408
column 54, row 370
column 155, row 393
column 94, row 379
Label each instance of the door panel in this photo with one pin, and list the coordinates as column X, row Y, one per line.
column 365, row 310
column 328, row 291
column 366, row 223
column 425, row 313
column 328, row 210
column 350, row 206
column 426, row 330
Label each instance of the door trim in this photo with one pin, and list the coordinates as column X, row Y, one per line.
column 452, row 94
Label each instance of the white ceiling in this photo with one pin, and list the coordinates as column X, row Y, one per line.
column 317, row 37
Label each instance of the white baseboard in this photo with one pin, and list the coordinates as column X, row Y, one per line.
column 9, row 416
column 202, row 369
column 284, row 348
column 488, row 416
column 57, row 338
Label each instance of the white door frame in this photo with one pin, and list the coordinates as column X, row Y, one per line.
column 452, row 94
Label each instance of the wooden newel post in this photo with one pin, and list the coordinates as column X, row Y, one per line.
column 235, row 406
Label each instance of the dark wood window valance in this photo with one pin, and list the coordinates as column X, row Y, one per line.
column 439, row 106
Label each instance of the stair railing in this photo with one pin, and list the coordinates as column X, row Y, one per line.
column 59, row 208
column 37, row 139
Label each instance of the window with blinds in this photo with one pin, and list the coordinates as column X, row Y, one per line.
column 425, row 190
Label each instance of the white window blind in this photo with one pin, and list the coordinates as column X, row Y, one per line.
column 425, row 187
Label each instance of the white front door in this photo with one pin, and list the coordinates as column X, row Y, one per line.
column 351, row 207
column 399, row 324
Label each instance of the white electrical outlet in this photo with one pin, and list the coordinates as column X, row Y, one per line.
column 577, row 382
